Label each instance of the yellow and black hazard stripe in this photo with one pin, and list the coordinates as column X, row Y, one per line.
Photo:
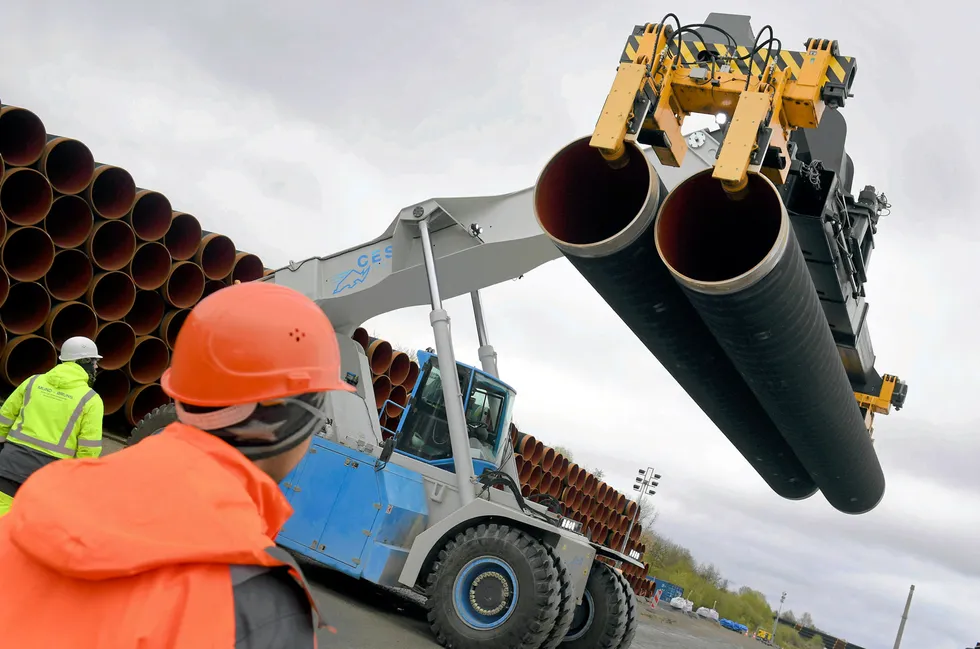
column 694, row 53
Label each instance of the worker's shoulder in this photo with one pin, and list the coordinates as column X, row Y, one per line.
column 271, row 609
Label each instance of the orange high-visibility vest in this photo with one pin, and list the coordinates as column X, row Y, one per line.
column 133, row 549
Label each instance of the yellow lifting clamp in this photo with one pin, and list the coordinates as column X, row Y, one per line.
column 891, row 393
column 763, row 94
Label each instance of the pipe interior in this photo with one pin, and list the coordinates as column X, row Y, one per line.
column 708, row 237
column 69, row 166
column 580, row 199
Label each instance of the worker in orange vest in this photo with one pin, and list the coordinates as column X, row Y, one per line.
column 170, row 543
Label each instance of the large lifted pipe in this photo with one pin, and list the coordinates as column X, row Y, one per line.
column 741, row 267
column 602, row 221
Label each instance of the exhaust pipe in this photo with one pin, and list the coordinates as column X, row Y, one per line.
column 149, row 360
column 247, row 268
column 111, row 192
column 113, row 387
column 602, row 219
column 25, row 196
column 67, row 163
column 25, row 309
column 25, row 356
column 741, row 266
column 216, row 256
column 147, row 312
column 111, row 295
column 69, row 222
column 116, row 342
column 144, row 400
column 183, row 237
column 70, row 319
column 111, row 245
column 27, row 253
column 150, row 266
column 22, row 136
column 185, row 284
column 69, row 275
column 151, row 215
column 171, row 324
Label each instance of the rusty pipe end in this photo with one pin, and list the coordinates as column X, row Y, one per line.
column 399, row 367
column 589, row 209
column 147, row 312
column 24, row 356
column 22, row 136
column 216, row 256
column 111, row 295
column 151, row 215
column 113, row 387
column 69, row 276
column 25, row 196
column 69, row 222
column 68, row 164
column 70, row 319
column 143, row 400
column 149, row 359
column 25, row 309
column 116, row 342
column 379, row 356
column 185, row 284
column 247, row 268
column 183, row 237
column 111, row 245
column 27, row 254
column 150, row 266
column 111, row 192
column 714, row 245
column 362, row 338
column 170, row 326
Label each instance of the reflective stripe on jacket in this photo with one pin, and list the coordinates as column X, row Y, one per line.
column 56, row 413
column 140, row 545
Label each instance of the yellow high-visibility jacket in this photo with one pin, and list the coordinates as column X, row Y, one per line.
column 55, row 413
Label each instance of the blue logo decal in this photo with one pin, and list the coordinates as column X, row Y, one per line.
column 355, row 276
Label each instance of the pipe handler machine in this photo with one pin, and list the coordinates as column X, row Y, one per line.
column 738, row 256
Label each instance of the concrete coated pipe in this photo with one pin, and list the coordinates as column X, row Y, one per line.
column 171, row 324
column 4, row 287
column 111, row 245
column 113, row 387
column 602, row 221
column 379, row 356
column 69, row 222
column 150, row 215
column 212, row 286
column 70, row 319
column 147, row 312
column 246, row 268
column 27, row 253
column 111, row 295
column 149, row 359
column 382, row 388
column 185, row 284
column 216, row 256
column 143, row 400
column 397, row 397
column 25, row 356
column 25, row 309
column 399, row 367
column 25, row 196
column 362, row 338
column 69, row 276
column 22, row 136
column 67, row 163
column 150, row 266
column 183, row 237
column 741, row 267
column 413, row 376
column 116, row 342
column 111, row 192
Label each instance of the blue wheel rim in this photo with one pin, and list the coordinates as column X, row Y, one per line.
column 582, row 618
column 476, row 577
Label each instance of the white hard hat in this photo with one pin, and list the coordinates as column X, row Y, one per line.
column 78, row 348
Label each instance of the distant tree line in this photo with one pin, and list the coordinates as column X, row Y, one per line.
column 704, row 585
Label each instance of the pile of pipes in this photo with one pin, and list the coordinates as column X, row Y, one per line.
column 393, row 374
column 86, row 252
column 607, row 516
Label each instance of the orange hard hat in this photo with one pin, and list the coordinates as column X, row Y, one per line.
column 253, row 342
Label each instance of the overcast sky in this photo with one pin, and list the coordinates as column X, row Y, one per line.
column 301, row 128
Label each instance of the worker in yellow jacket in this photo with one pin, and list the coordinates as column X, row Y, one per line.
column 51, row 416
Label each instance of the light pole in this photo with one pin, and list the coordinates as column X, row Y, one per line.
column 775, row 622
column 644, row 485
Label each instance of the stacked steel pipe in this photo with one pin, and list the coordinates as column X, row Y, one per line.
column 393, row 375
column 605, row 514
column 85, row 252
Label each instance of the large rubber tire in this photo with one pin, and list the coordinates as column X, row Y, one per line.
column 600, row 620
column 522, row 590
column 566, row 604
column 153, row 423
column 632, row 612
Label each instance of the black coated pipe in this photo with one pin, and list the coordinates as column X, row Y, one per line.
column 741, row 267
column 602, row 221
